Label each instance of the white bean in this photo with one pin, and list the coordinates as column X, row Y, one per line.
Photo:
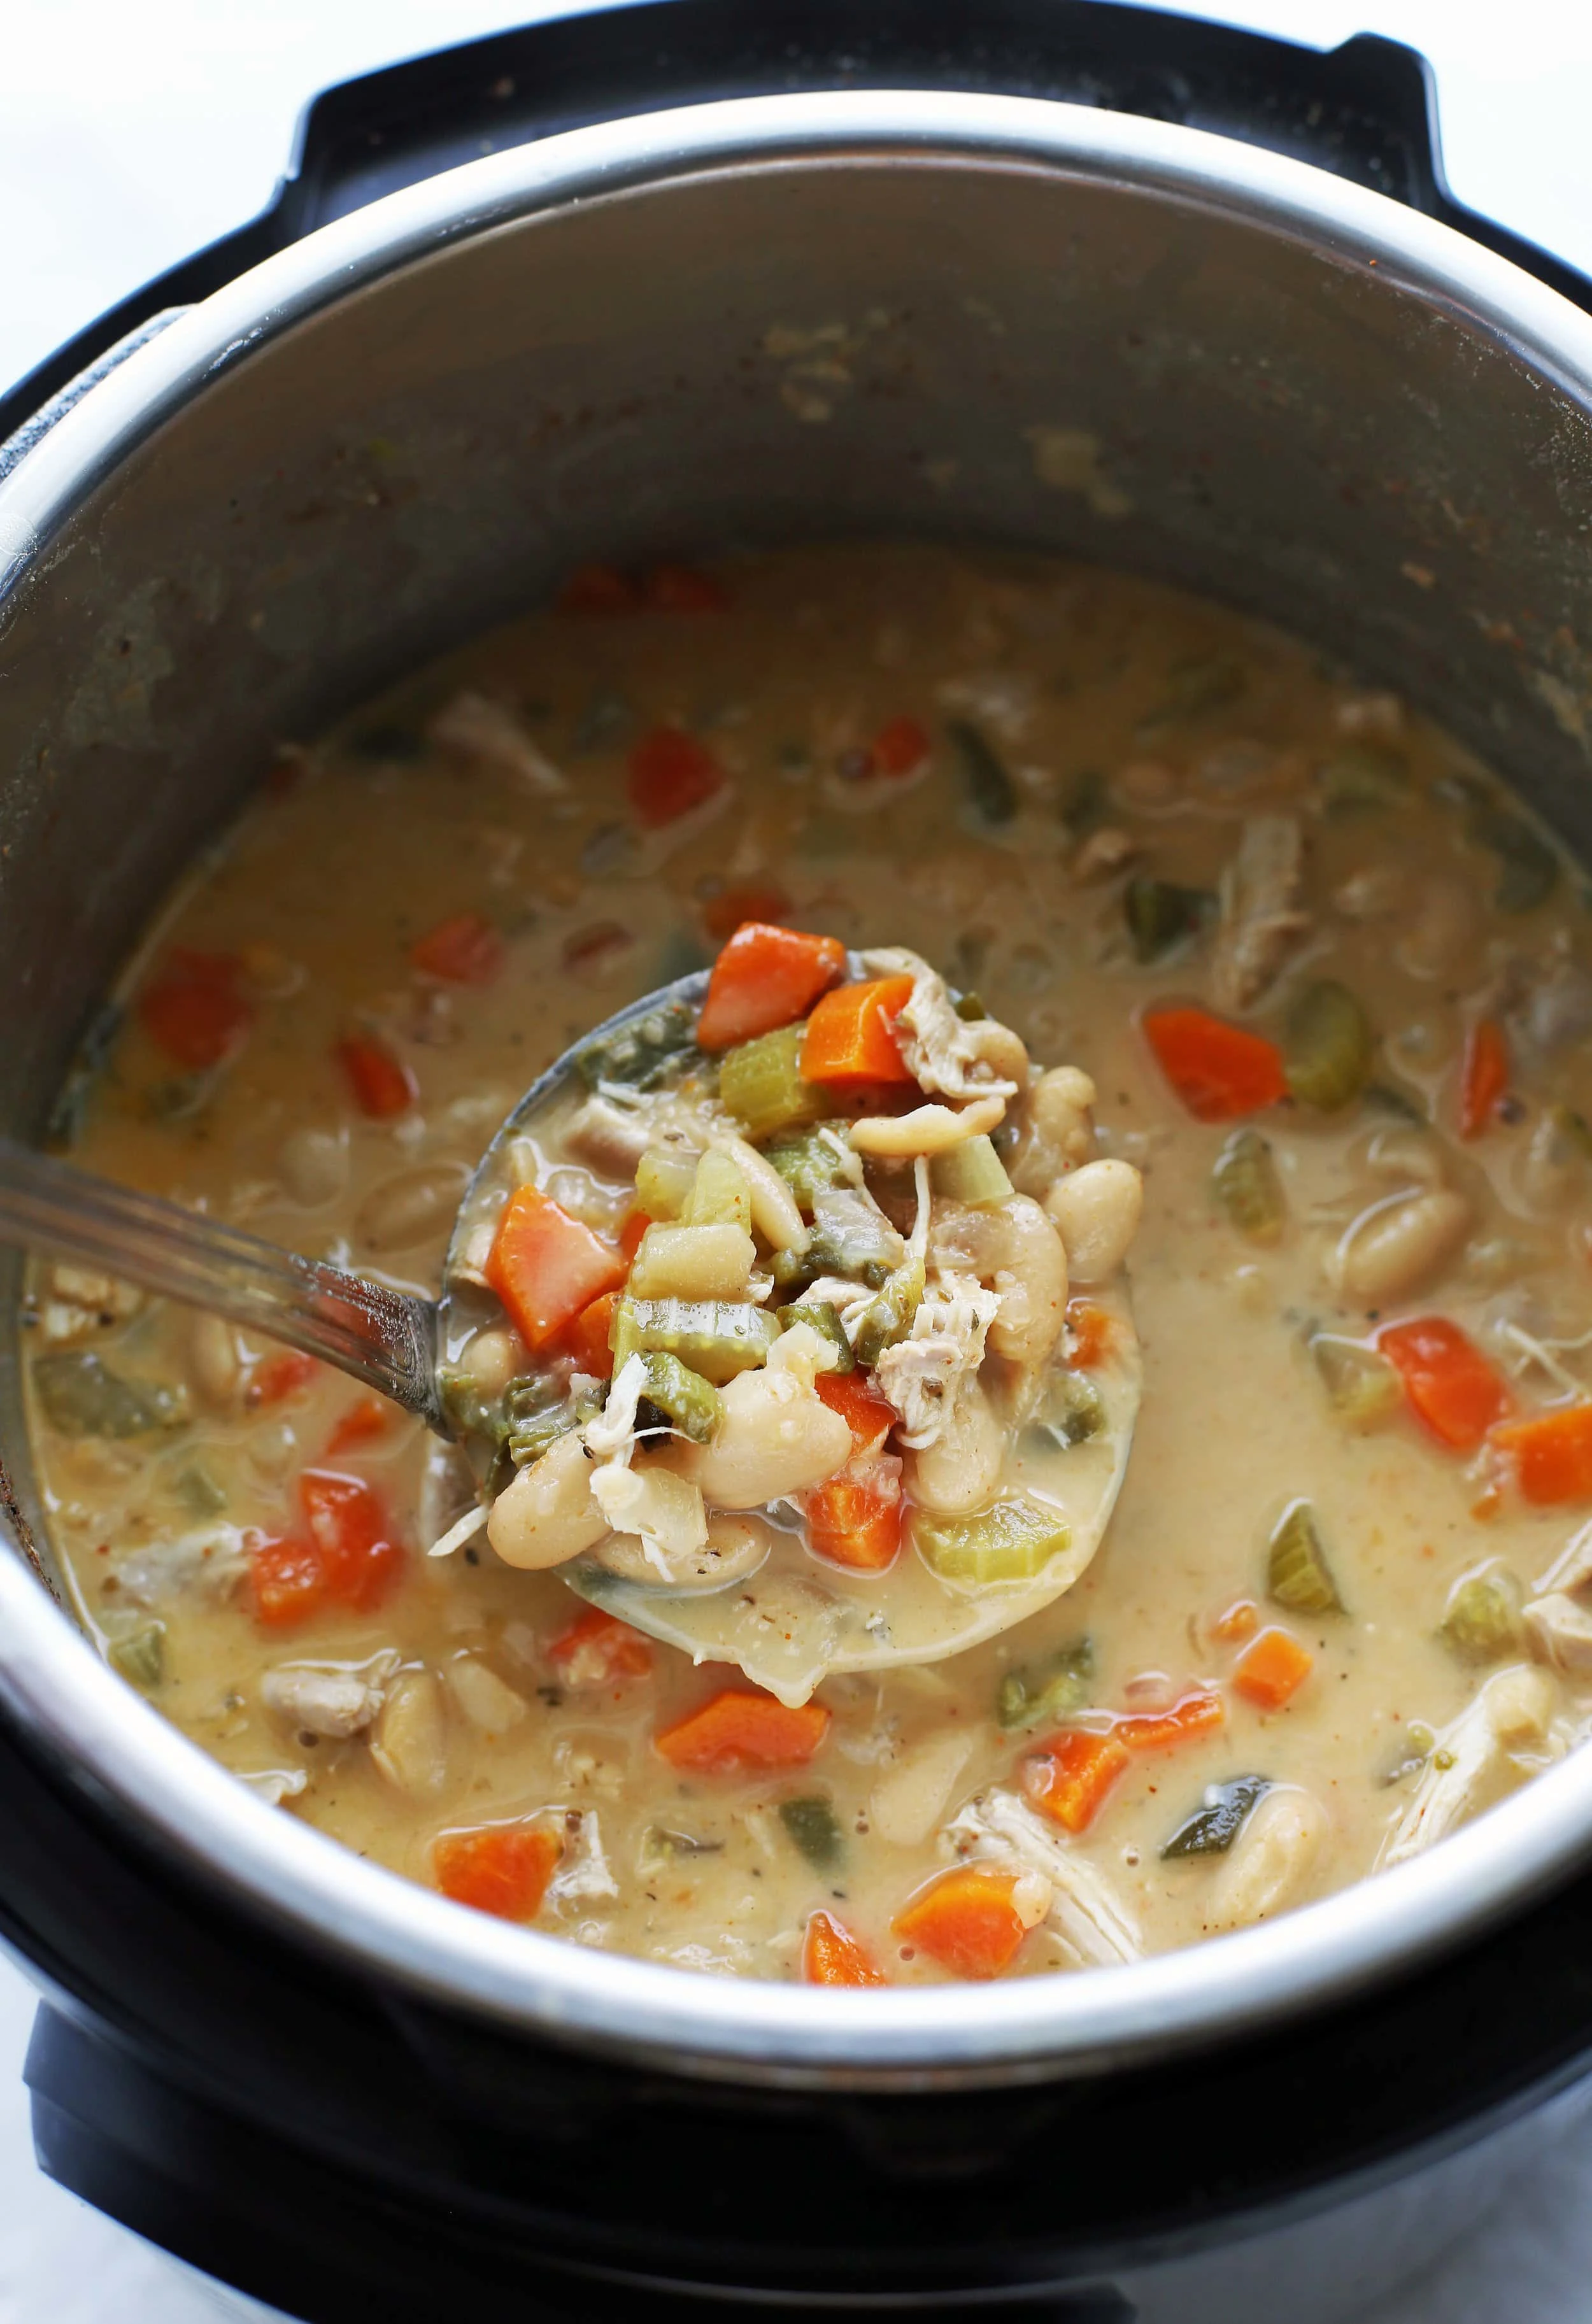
column 960, row 1471
column 1098, row 1210
column 489, row 1703
column 491, row 1360
column 776, row 1436
column 1395, row 1245
column 1014, row 1250
column 736, row 1547
column 1269, row 1862
column 409, row 1744
column 549, row 1513
column 1058, row 1133
column 910, row 1799
column 314, row 1166
column 405, row 1209
column 214, row 1363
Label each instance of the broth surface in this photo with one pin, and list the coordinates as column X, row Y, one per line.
column 325, row 1091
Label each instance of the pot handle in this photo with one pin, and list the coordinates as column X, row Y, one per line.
column 1366, row 111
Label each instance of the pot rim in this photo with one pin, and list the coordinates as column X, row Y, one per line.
column 59, row 1692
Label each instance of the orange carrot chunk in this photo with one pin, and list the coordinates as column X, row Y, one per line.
column 831, row 1955
column 1273, row 1667
column 1189, row 1720
column 381, row 1084
column 753, row 899
column 465, row 950
column 869, row 1415
column 194, row 1009
column 275, row 1379
column 856, row 1516
column 850, row 1035
column 765, row 977
column 966, row 1920
column 1093, row 1334
column 597, row 1650
column 586, row 1338
column 502, row 1869
column 1221, row 1072
column 736, row 1730
column 1483, row 1079
column 546, row 1267
column 287, row 1581
column 1069, row 1776
column 345, row 1520
column 670, row 774
column 1552, row 1453
column 362, row 1424
column 899, row 748
column 1450, row 1387
column 681, row 589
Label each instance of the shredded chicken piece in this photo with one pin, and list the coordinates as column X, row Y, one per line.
column 922, row 1374
column 610, row 1136
column 487, row 734
column 612, row 1434
column 1571, row 1570
column 82, row 1301
column 583, row 1878
column 1477, row 1757
column 212, row 1562
column 461, row 1530
column 1261, row 918
column 1561, row 1633
column 1086, row 1914
column 947, row 1056
column 324, row 1700
column 665, row 1512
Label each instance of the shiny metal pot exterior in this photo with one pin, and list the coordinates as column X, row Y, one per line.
column 1069, row 329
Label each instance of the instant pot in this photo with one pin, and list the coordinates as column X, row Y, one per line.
column 1082, row 278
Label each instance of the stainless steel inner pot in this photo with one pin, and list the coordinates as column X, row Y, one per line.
column 762, row 320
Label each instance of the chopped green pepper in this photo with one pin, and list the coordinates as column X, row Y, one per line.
column 1014, row 1541
column 716, row 1337
column 1073, row 1410
column 141, row 1656
column 1330, row 1046
column 1213, row 1827
column 970, row 1007
column 761, row 1083
column 1481, row 1622
column 888, row 1316
column 812, row 1164
column 536, row 1412
column 675, row 1397
column 1296, row 1572
column 1362, row 1387
column 1054, row 1688
column 972, row 1172
column 1364, row 775
column 1244, row 1180
column 811, row 1825
column 646, row 1053
column 851, row 1240
column 821, row 1318
column 1160, row 916
column 991, row 793
column 82, row 1396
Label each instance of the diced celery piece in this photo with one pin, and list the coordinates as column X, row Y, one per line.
column 82, row 1396
column 1330, row 1046
column 972, row 1172
column 812, row 1829
column 1054, row 1688
column 1216, row 1823
column 1014, row 1541
column 761, row 1083
column 1362, row 1387
column 141, row 1656
column 888, row 1316
column 812, row 1164
column 1296, row 1572
column 1244, row 1178
column 822, row 1319
column 683, row 1400
column 535, row 1413
column 663, row 1181
column 716, row 1337
column 1481, row 1622
column 720, row 1196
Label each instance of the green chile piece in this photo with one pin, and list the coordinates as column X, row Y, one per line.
column 198, row 1490
column 1481, row 1621
column 82, row 1396
column 1073, row 1410
column 646, row 1054
column 888, row 1316
column 716, row 1337
column 1014, row 1540
column 1214, row 1826
column 1330, row 1046
column 1244, row 1180
column 680, row 1398
column 1296, row 1572
column 1362, row 1387
column 1039, row 1692
column 141, row 1656
column 972, row 1172
column 862, row 1245
column 991, row 793
column 812, row 1164
column 810, row 1826
column 821, row 1318
column 1161, row 916
column 761, row 1083
column 535, row 1414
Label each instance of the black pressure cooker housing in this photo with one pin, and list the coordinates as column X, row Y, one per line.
column 340, row 2146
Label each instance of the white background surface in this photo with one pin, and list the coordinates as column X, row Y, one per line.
column 133, row 131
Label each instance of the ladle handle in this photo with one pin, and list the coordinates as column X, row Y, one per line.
column 385, row 1338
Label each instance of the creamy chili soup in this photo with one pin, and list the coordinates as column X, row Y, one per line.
column 1099, row 981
